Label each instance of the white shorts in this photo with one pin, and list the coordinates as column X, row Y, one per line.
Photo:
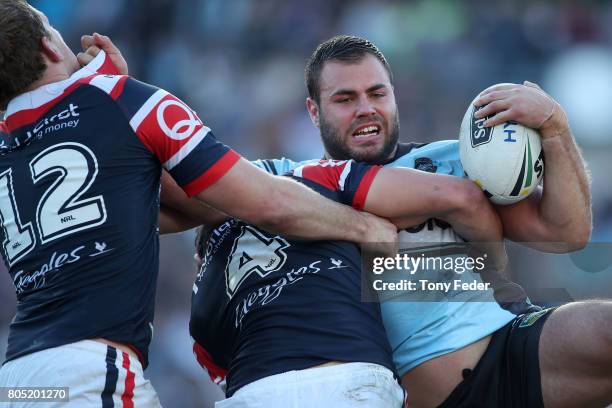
column 96, row 375
column 346, row 385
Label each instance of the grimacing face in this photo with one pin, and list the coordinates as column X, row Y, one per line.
column 357, row 114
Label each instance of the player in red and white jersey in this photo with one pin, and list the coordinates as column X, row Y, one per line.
column 81, row 155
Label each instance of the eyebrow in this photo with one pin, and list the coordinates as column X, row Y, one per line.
column 343, row 91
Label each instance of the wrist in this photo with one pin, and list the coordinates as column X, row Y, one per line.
column 360, row 228
column 556, row 124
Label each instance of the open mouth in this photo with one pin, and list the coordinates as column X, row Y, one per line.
column 366, row 132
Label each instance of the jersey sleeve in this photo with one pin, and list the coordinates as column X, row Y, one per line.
column 174, row 133
column 443, row 155
column 347, row 177
column 281, row 166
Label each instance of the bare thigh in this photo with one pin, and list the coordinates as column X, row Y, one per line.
column 575, row 354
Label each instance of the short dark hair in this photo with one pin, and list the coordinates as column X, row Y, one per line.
column 21, row 62
column 202, row 234
column 344, row 48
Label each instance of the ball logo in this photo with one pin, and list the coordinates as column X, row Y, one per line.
column 538, row 166
column 479, row 134
column 188, row 121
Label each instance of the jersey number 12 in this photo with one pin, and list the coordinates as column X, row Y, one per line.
column 60, row 210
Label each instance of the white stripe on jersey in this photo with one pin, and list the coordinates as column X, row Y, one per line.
column 95, row 64
column 105, row 83
column 46, row 93
column 147, row 108
column 297, row 172
column 186, row 148
column 344, row 175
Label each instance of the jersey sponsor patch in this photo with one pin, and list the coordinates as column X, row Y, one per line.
column 168, row 127
column 174, row 133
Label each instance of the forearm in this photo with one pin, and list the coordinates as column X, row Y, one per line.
column 181, row 213
column 565, row 207
column 171, row 221
column 408, row 196
column 303, row 213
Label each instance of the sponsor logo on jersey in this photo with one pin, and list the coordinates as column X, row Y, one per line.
column 38, row 278
column 425, row 164
column 28, row 281
column 68, row 118
column 268, row 293
column 179, row 116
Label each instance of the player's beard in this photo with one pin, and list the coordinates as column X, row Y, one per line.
column 338, row 150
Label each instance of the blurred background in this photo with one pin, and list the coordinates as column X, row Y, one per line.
column 240, row 64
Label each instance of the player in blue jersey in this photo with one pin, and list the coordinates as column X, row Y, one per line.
column 459, row 354
column 81, row 153
column 523, row 361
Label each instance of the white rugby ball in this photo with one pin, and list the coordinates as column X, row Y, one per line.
column 506, row 160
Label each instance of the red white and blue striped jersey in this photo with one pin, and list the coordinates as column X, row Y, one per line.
column 263, row 304
column 80, row 164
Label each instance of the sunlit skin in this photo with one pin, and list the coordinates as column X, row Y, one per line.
column 355, row 96
column 60, row 60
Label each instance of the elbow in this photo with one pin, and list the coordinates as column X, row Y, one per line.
column 467, row 199
column 565, row 239
column 579, row 238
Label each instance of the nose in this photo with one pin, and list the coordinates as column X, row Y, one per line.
column 365, row 107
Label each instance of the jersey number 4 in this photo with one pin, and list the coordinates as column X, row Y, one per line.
column 60, row 210
column 253, row 252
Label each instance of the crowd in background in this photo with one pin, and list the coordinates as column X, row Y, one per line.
column 240, row 64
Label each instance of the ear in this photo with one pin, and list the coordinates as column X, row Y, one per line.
column 313, row 111
column 50, row 50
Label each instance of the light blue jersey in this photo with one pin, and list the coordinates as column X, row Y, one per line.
column 420, row 329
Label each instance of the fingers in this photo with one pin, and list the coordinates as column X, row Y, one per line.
column 105, row 43
column 524, row 103
column 499, row 118
column 532, row 85
column 92, row 44
column 491, row 103
column 498, row 87
column 100, row 41
column 87, row 41
column 84, row 58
